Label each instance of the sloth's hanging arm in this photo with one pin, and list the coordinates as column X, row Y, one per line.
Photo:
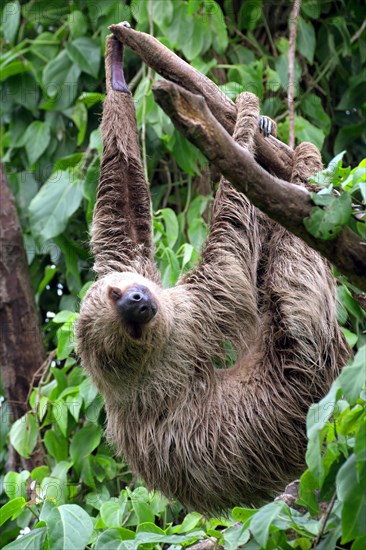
column 121, row 232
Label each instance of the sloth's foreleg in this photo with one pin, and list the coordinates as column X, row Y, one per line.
column 121, row 233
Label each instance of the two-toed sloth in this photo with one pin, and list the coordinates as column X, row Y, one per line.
column 213, row 438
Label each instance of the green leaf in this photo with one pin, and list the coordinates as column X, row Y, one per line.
column 353, row 377
column 15, row 484
column 263, row 519
column 88, row 391
column 56, row 445
column 85, row 52
column 305, row 131
column 306, row 40
column 54, row 204
column 16, row 67
column 312, row 107
column 60, row 78
column 35, row 540
column 84, row 442
column 37, row 139
column 351, row 490
column 113, row 539
column 171, row 225
column 11, row 20
column 235, row 537
column 197, row 233
column 326, row 223
column 190, row 522
column 112, row 513
column 24, row 434
column 65, row 340
column 78, row 24
column 69, row 526
column 11, row 509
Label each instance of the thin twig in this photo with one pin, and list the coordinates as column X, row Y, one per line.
column 291, row 69
column 357, row 34
column 42, row 369
column 324, row 520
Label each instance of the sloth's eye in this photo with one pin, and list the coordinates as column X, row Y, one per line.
column 116, row 294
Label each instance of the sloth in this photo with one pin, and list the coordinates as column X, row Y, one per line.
column 211, row 435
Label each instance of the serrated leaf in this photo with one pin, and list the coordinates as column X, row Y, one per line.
column 54, row 204
column 85, row 53
column 69, row 526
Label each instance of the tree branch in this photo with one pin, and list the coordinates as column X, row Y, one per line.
column 275, row 155
column 286, row 203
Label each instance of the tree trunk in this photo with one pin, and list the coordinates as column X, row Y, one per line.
column 21, row 347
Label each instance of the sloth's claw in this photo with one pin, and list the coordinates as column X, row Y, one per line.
column 118, row 77
column 266, row 125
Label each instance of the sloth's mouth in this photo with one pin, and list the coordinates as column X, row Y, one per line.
column 134, row 330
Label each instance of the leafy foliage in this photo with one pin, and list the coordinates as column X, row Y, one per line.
column 51, row 75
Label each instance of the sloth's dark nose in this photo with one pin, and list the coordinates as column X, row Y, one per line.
column 137, row 305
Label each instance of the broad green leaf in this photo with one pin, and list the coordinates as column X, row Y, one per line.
column 235, row 537
column 190, row 522
column 312, row 107
column 65, row 340
column 54, row 204
column 35, row 540
column 15, row 484
column 171, row 225
column 88, row 391
column 353, row 377
column 24, row 434
column 84, row 442
column 326, row 223
column 91, row 98
column 78, row 24
column 56, row 73
column 306, row 40
column 197, row 233
column 69, row 526
column 11, row 20
column 116, row 539
column 56, row 445
column 316, row 421
column 305, row 131
column 85, row 52
column 11, row 509
column 16, row 67
column 263, row 519
column 351, row 490
column 37, row 139
column 113, row 513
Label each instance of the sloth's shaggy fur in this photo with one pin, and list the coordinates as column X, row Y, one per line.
column 213, row 438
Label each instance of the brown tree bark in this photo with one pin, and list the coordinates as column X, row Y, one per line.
column 21, row 347
column 276, row 156
column 284, row 202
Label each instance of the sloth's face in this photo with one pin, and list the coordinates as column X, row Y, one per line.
column 125, row 321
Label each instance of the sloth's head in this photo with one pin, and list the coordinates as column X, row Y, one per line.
column 125, row 319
